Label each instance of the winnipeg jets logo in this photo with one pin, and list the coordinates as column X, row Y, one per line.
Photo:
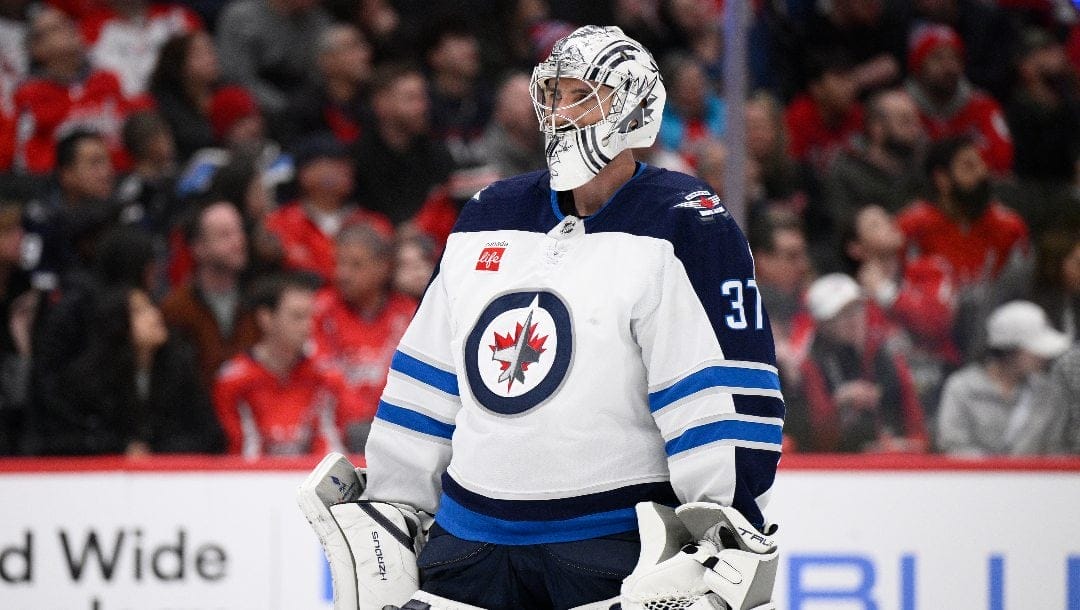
column 516, row 353
column 519, row 351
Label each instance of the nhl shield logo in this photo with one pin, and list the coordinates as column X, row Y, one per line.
column 519, row 351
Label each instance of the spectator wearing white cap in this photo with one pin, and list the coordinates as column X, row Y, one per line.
column 858, row 390
column 986, row 406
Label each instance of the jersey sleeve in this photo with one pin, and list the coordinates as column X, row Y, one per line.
column 409, row 446
column 714, row 390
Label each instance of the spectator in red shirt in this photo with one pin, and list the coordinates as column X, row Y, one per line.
column 858, row 390
column 358, row 323
column 823, row 119
column 984, row 242
column 64, row 94
column 275, row 399
column 963, row 224
column 917, row 295
column 948, row 103
column 307, row 227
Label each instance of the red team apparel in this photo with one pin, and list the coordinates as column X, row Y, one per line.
column 977, row 252
column 306, row 247
column 46, row 111
column 814, row 141
column 360, row 348
column 925, row 306
column 970, row 112
column 263, row 414
column 980, row 117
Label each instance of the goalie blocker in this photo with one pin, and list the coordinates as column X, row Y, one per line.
column 698, row 556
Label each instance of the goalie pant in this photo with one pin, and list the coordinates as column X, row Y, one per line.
column 554, row 575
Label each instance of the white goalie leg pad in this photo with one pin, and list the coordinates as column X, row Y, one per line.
column 740, row 561
column 334, row 480
column 382, row 541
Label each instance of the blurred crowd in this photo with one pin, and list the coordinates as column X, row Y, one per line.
column 217, row 216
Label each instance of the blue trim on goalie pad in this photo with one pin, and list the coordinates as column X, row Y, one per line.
column 417, row 422
column 729, row 430
column 472, row 516
column 733, row 377
column 423, row 372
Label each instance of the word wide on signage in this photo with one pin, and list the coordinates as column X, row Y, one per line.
column 234, row 540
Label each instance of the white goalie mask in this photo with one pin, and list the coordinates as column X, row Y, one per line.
column 597, row 94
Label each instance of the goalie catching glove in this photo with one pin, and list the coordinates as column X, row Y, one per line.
column 371, row 546
column 700, row 556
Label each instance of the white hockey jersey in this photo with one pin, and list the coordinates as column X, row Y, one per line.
column 558, row 370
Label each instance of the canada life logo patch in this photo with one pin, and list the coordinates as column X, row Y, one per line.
column 491, row 256
column 519, row 351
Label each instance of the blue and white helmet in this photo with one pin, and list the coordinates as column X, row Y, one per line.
column 619, row 107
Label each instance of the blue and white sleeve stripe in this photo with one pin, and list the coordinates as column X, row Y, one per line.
column 728, row 376
column 686, row 408
column 738, row 430
column 432, row 375
column 412, row 418
column 419, row 396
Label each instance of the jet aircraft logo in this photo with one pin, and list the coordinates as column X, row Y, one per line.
column 705, row 203
column 515, row 353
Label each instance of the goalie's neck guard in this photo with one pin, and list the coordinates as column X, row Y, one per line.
column 597, row 94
